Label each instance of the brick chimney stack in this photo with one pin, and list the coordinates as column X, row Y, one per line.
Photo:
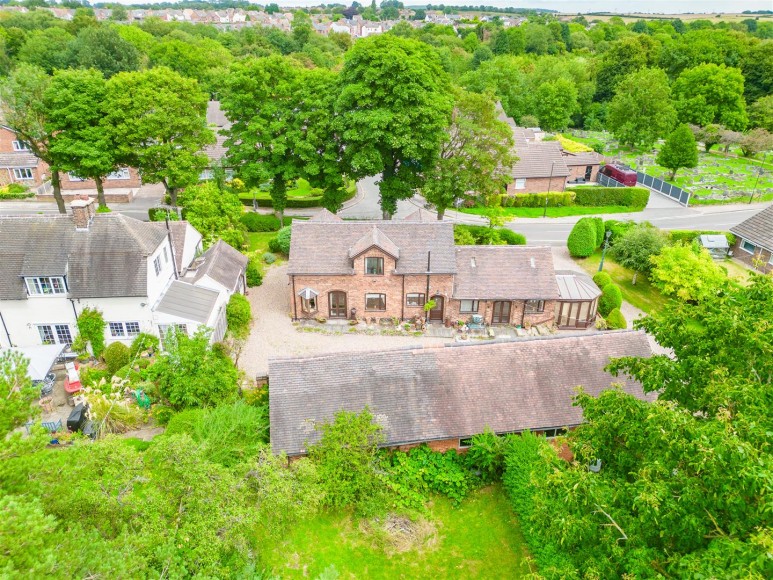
column 83, row 211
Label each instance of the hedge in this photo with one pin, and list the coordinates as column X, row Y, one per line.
column 264, row 200
column 555, row 199
column 253, row 275
column 258, row 222
column 281, row 243
column 596, row 196
column 598, row 223
column 16, row 195
column 616, row 320
column 689, row 235
column 611, row 298
column 601, row 279
column 484, row 236
column 582, row 239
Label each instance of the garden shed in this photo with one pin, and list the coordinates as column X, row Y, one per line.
column 716, row 245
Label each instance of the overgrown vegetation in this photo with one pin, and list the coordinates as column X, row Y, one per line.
column 465, row 235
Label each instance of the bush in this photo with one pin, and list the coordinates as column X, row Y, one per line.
column 582, row 238
column 253, row 275
column 90, row 376
column 158, row 215
column 555, row 199
column 281, row 243
column 269, row 258
column 616, row 320
column 238, row 313
column 510, row 237
column 116, row 355
column 256, row 222
column 599, row 225
column 15, row 191
column 602, row 279
column 292, row 202
column 688, row 236
column 595, row 196
column 142, row 342
column 465, row 235
column 618, row 229
column 91, row 326
column 611, row 298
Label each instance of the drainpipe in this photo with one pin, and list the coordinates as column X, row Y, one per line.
column 75, row 312
column 2, row 320
column 523, row 313
column 402, row 307
column 171, row 246
column 427, row 298
column 295, row 302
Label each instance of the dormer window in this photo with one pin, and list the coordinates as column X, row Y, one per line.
column 45, row 285
column 374, row 266
column 20, row 145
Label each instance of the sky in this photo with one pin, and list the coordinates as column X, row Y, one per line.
column 573, row 6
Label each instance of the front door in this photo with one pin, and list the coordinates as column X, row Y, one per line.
column 337, row 304
column 436, row 313
column 501, row 314
column 588, row 172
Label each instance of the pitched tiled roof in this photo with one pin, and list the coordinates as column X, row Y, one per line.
column 187, row 301
column 758, row 229
column 325, row 215
column 323, row 248
column 215, row 115
column 582, row 158
column 374, row 238
column 218, row 150
column 21, row 159
column 504, row 272
column 224, row 264
column 539, row 160
column 424, row 394
column 420, row 215
column 107, row 260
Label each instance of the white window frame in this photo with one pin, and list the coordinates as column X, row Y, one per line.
column 744, row 242
column 35, row 286
column 520, row 183
column 19, row 145
column 157, row 264
column 309, row 305
column 121, row 174
column 24, row 173
column 475, row 306
column 465, row 442
column 121, row 329
column 57, row 333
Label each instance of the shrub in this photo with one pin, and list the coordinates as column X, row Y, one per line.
column 510, row 237
column 618, row 229
column 15, row 191
column 253, row 275
column 281, row 241
column 688, row 236
column 611, row 298
column 555, row 199
column 142, row 342
column 116, row 355
column 269, row 258
column 16, row 188
column 104, row 209
column 582, row 239
column 256, row 222
column 595, row 196
column 90, row 376
column 238, row 313
column 486, row 455
column 602, row 279
column 599, row 225
column 465, row 235
column 616, row 320
column 91, row 326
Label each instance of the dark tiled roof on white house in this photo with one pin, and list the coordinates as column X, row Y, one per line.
column 758, row 229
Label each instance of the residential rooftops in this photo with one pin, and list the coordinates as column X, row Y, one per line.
column 188, row 301
column 224, row 264
column 758, row 229
column 426, row 394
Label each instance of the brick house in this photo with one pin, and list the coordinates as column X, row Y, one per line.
column 754, row 240
column 583, row 167
column 443, row 396
column 389, row 269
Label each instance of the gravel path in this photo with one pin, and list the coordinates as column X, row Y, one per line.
column 273, row 333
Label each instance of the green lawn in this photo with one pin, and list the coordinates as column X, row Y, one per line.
column 643, row 295
column 535, row 212
column 479, row 539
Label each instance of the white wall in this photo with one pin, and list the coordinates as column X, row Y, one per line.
column 157, row 283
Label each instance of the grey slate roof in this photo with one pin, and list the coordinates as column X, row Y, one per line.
column 216, row 116
column 222, row 263
column 504, row 272
column 424, row 394
column 188, row 301
column 108, row 260
column 325, row 215
column 323, row 248
column 758, row 229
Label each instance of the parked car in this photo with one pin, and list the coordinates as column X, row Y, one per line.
column 625, row 176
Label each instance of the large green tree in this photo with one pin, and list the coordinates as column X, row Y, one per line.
column 102, row 48
column 556, row 103
column 75, row 100
column 24, row 110
column 157, row 118
column 641, row 111
column 688, row 273
column 634, row 249
column 679, row 150
column 711, row 93
column 393, row 108
column 214, row 212
column 475, row 155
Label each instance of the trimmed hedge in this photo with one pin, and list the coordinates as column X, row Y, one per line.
column 598, row 223
column 689, row 236
column 292, row 202
column 611, row 298
column 582, row 239
column 601, row 279
column 616, row 320
column 253, row 275
column 258, row 222
column 595, row 196
column 555, row 199
column 281, row 243
column 465, row 235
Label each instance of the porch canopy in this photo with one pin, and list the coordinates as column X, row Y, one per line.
column 41, row 358
column 308, row 293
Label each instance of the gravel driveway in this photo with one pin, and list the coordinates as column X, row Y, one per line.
column 273, row 333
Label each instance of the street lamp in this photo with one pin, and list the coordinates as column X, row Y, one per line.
column 607, row 235
column 756, row 181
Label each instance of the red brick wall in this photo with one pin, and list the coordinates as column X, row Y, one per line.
column 578, row 171
column 486, row 308
column 748, row 258
column 134, row 181
column 539, row 185
column 6, row 174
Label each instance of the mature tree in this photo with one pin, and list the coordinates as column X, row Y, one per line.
column 24, row 110
column 475, row 155
column 158, row 121
column 214, row 212
column 48, row 49
column 503, row 77
column 623, row 57
column 17, row 394
column 118, row 13
column 635, row 248
column 392, row 110
column 755, row 141
column 761, row 113
column 709, row 135
column 103, row 48
column 711, row 93
column 202, row 59
column 641, row 111
column 75, row 101
column 556, row 103
column 688, row 273
column 729, row 138
column 509, row 41
column 756, row 67
column 679, row 150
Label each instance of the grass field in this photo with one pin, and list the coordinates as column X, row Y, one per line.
column 479, row 539
column 535, row 212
